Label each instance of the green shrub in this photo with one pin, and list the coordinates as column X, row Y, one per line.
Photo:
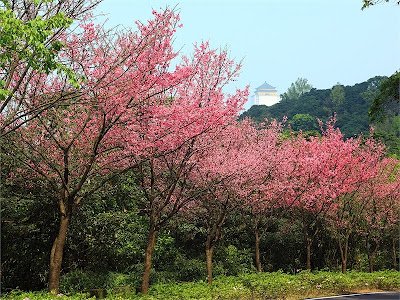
column 189, row 269
column 237, row 261
column 80, row 281
column 121, row 282
column 276, row 285
column 19, row 295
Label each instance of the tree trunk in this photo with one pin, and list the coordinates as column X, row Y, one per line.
column 209, row 257
column 343, row 253
column 56, row 255
column 371, row 256
column 394, row 253
column 309, row 243
column 257, row 245
column 151, row 242
column 370, row 262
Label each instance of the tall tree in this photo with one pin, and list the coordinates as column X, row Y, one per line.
column 344, row 217
column 385, row 113
column 77, row 148
column 388, row 98
column 223, row 175
column 198, row 108
column 382, row 196
column 265, row 190
column 296, row 89
column 337, row 96
column 320, row 175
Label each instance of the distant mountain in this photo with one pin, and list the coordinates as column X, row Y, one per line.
column 350, row 103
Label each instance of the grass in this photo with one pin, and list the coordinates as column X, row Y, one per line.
column 276, row 285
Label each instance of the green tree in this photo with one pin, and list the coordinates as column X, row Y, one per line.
column 385, row 113
column 31, row 34
column 388, row 99
column 368, row 3
column 337, row 96
column 388, row 130
column 304, row 122
column 296, row 89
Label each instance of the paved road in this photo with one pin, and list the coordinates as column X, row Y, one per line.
column 369, row 296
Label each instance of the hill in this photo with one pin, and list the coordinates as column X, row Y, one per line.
column 350, row 103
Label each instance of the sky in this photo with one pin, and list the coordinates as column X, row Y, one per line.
column 324, row 41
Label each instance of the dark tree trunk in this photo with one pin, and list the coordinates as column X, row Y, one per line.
column 370, row 262
column 309, row 232
column 56, row 255
column 309, row 243
column 371, row 251
column 209, row 258
column 151, row 242
column 343, row 252
column 257, row 245
column 394, row 253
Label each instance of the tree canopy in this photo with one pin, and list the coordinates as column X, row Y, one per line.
column 296, row 89
column 368, row 3
column 32, row 40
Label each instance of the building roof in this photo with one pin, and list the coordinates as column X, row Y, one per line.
column 265, row 86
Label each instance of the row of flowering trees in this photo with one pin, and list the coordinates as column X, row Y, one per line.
column 346, row 184
column 177, row 129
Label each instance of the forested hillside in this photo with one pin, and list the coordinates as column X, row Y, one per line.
column 351, row 104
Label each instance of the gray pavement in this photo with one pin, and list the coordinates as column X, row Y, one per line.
column 367, row 296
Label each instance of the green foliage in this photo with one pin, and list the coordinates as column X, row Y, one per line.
column 388, row 131
column 304, row 122
column 108, row 240
column 20, row 295
column 181, row 268
column 235, row 261
column 385, row 113
column 27, row 225
column 337, row 95
column 77, row 281
column 30, row 41
column 84, row 281
column 388, row 99
column 351, row 104
column 276, row 285
column 106, row 234
column 296, row 89
column 368, row 3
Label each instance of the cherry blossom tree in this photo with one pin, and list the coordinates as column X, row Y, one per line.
column 265, row 189
column 223, row 175
column 130, row 104
column 382, row 197
column 322, row 172
column 199, row 108
column 344, row 216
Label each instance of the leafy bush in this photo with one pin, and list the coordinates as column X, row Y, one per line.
column 19, row 295
column 115, row 280
column 237, row 261
column 79, row 281
column 189, row 269
column 276, row 285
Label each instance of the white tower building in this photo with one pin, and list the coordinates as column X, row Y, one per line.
column 266, row 94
